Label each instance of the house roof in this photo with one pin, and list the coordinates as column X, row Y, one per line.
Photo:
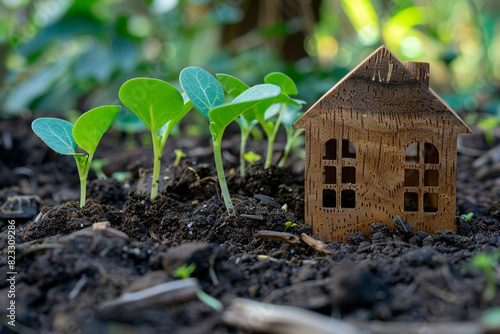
column 386, row 74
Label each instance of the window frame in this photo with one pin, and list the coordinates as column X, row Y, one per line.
column 421, row 166
column 339, row 162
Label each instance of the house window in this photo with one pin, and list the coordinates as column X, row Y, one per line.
column 421, row 178
column 339, row 174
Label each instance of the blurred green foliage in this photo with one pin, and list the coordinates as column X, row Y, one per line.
column 59, row 55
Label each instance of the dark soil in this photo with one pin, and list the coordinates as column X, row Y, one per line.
column 67, row 272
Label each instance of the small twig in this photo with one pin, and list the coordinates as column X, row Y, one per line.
column 316, row 244
column 161, row 294
column 278, row 236
column 76, row 290
column 253, row 217
column 211, row 269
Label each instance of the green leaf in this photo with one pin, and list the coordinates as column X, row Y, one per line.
column 202, row 88
column 154, row 101
column 283, row 81
column 188, row 105
column 232, row 85
column 223, row 115
column 56, row 133
column 91, row 126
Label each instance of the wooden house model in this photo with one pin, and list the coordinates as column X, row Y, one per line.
column 380, row 143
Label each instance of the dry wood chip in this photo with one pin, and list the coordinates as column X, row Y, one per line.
column 316, row 244
column 268, row 318
column 278, row 236
column 158, row 295
column 106, row 229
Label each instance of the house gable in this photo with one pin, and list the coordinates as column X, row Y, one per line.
column 372, row 84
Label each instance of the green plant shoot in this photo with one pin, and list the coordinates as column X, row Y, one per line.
column 467, row 217
column 247, row 121
column 63, row 137
column 266, row 116
column 252, row 157
column 178, row 156
column 160, row 106
column 290, row 115
column 487, row 263
column 184, row 271
column 207, row 96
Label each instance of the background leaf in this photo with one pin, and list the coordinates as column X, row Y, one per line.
column 154, row 101
column 91, row 126
column 283, row 81
column 56, row 133
column 204, row 91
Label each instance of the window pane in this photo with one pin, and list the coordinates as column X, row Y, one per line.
column 411, row 178
column 431, row 154
column 329, row 175
column 430, row 202
column 411, row 155
column 349, row 175
column 329, row 198
column 348, row 150
column 330, row 150
column 348, row 199
column 431, row 178
column 411, row 202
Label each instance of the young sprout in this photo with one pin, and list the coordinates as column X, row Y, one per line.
column 252, row 157
column 290, row 115
column 289, row 224
column 185, row 272
column 247, row 121
column 266, row 116
column 487, row 263
column 160, row 106
column 178, row 156
column 63, row 137
column 467, row 217
column 207, row 96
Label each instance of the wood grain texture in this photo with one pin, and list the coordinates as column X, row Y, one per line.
column 381, row 108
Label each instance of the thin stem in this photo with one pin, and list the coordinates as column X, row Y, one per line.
column 272, row 138
column 243, row 145
column 157, row 150
column 83, row 166
column 220, row 174
column 290, row 143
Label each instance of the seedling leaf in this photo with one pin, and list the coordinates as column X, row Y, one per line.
column 57, row 134
column 283, row 81
column 91, row 126
column 202, row 88
column 154, row 101
column 165, row 129
column 223, row 115
column 233, row 86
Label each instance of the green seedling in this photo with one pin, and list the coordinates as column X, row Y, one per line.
column 487, row 264
column 97, row 166
column 178, row 156
column 185, row 272
column 290, row 115
column 247, row 121
column 289, row 225
column 160, row 106
column 63, row 137
column 252, row 157
column 488, row 126
column 266, row 117
column 207, row 96
column 467, row 217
